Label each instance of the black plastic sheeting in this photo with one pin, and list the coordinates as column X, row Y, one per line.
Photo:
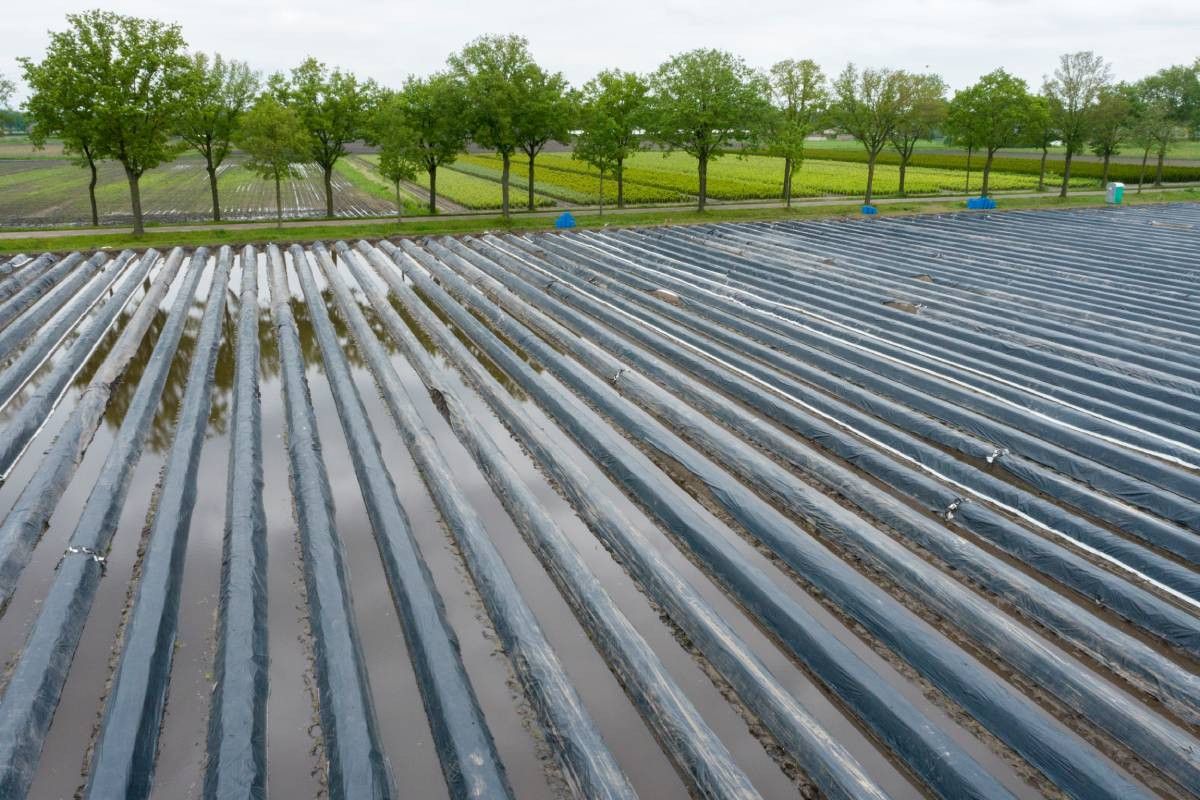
column 27, row 519
column 30, row 271
column 35, row 687
column 237, row 725
column 72, row 270
column 469, row 760
column 356, row 765
column 14, row 263
column 127, row 743
column 928, row 751
column 999, row 317
column 37, row 407
column 690, row 743
column 1076, row 769
column 592, row 770
column 1061, row 388
column 1165, row 620
column 1178, row 687
column 63, row 308
column 1103, row 468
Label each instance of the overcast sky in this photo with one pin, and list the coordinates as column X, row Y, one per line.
column 389, row 39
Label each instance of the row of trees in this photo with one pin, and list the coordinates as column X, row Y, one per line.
column 123, row 88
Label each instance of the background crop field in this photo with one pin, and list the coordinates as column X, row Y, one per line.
column 469, row 191
column 756, row 177
column 52, row 192
column 1089, row 171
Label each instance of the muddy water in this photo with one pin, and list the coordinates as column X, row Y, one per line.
column 721, row 716
column 295, row 761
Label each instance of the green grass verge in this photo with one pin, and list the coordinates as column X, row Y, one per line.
column 216, row 236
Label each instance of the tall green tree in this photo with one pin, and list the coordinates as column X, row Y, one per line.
column 493, row 70
column 424, row 124
column 60, row 105
column 1073, row 91
column 612, row 117
column 1150, row 123
column 1040, row 132
column 390, row 130
column 1110, row 123
column 706, row 102
column 545, row 112
column 7, row 89
column 136, row 74
column 333, row 106
column 1175, row 92
column 868, row 105
column 274, row 139
column 801, row 99
column 923, row 102
column 218, row 94
column 991, row 113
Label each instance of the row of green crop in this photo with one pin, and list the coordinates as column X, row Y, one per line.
column 469, row 191
column 761, row 177
column 1030, row 165
column 573, row 185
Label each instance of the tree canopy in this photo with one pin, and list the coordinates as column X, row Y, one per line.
column 612, row 115
column 132, row 75
column 1072, row 91
column 275, row 140
column 334, row 108
column 545, row 112
column 493, row 70
column 706, row 102
column 801, row 98
column 424, row 124
column 218, row 93
column 923, row 110
column 869, row 105
column 994, row 112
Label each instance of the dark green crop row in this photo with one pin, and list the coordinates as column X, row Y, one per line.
column 1025, row 165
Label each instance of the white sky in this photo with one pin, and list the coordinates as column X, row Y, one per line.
column 389, row 39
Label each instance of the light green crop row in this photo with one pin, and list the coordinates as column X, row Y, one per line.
column 761, row 177
column 468, row 191
column 580, row 185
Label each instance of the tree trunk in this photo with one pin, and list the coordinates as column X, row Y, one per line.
column 1162, row 153
column 602, row 194
column 506, row 157
column 433, row 189
column 530, row 199
column 399, row 205
column 1142, row 174
column 328, row 191
column 1042, row 171
column 703, row 166
column 903, row 168
column 278, row 201
column 92, row 193
column 1104, row 171
column 967, row 187
column 987, row 173
column 212, row 186
column 620, row 183
column 135, row 201
column 1066, row 174
column 787, row 182
column 870, row 178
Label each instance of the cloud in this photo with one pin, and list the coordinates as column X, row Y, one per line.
column 388, row 40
